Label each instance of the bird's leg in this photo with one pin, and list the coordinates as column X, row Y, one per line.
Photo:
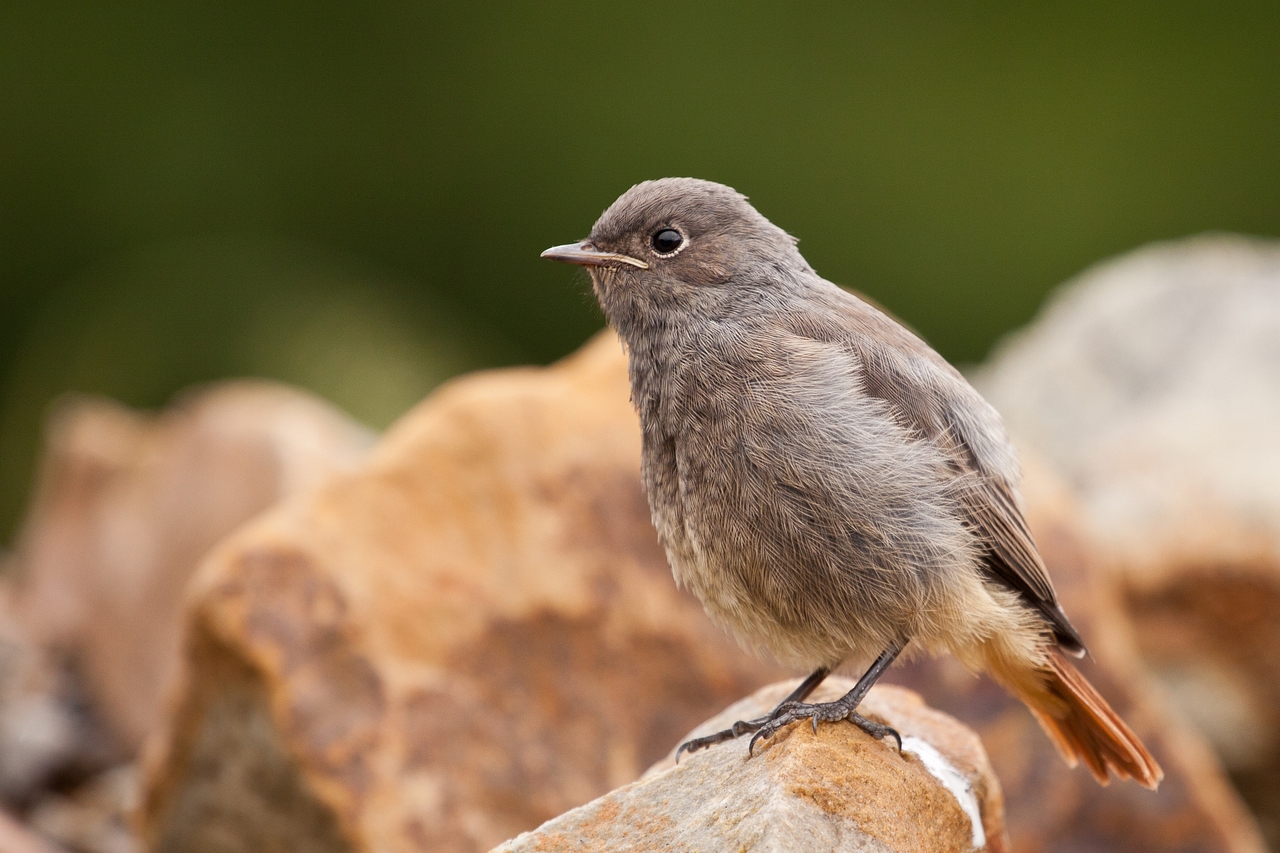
column 844, row 708
column 743, row 727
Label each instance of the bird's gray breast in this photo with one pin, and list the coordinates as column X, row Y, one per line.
column 784, row 495
column 688, row 426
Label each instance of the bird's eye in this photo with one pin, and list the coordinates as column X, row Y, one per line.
column 667, row 241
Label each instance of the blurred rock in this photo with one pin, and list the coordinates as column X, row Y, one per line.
column 125, row 505
column 836, row 790
column 474, row 633
column 1152, row 384
column 16, row 838
column 93, row 818
column 39, row 731
column 1051, row 807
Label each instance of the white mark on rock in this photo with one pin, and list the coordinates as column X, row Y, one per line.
column 952, row 779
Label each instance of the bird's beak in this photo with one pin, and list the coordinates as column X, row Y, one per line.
column 587, row 255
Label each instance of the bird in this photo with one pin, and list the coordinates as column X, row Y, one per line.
column 826, row 484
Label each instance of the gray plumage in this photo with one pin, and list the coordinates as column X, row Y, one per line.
column 811, row 465
column 821, row 479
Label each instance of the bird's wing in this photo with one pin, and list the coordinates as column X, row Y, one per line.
column 931, row 398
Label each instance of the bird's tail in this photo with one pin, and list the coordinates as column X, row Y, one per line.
column 1083, row 727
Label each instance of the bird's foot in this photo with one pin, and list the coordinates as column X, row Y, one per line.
column 735, row 731
column 827, row 712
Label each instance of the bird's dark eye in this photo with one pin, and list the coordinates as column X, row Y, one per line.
column 666, row 241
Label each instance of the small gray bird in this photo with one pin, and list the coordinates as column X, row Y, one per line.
column 828, row 486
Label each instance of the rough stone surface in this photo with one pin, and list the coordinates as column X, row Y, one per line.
column 1049, row 806
column 470, row 635
column 126, row 504
column 838, row 790
column 1152, row 384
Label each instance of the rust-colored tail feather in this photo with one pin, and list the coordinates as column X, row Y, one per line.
column 1084, row 728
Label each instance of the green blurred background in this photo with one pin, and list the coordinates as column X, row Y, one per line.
column 352, row 196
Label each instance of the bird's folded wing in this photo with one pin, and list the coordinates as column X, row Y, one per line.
column 931, row 398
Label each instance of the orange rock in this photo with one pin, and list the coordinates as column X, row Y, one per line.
column 835, row 790
column 127, row 503
column 472, row 634
column 477, row 631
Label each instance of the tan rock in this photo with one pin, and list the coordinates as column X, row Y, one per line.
column 838, row 790
column 1049, row 806
column 126, row 504
column 474, row 633
column 1152, row 384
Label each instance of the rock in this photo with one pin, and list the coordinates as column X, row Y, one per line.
column 471, row 634
column 95, row 817
column 1152, row 384
column 477, row 631
column 39, row 731
column 836, row 790
column 126, row 504
column 16, row 838
column 1049, row 806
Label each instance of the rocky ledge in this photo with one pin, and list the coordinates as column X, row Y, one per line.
column 838, row 789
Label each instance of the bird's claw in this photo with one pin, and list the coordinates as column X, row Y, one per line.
column 877, row 730
column 827, row 712
column 737, row 730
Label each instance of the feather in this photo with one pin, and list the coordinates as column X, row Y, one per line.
column 1084, row 728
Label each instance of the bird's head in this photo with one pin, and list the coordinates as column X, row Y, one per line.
column 681, row 246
